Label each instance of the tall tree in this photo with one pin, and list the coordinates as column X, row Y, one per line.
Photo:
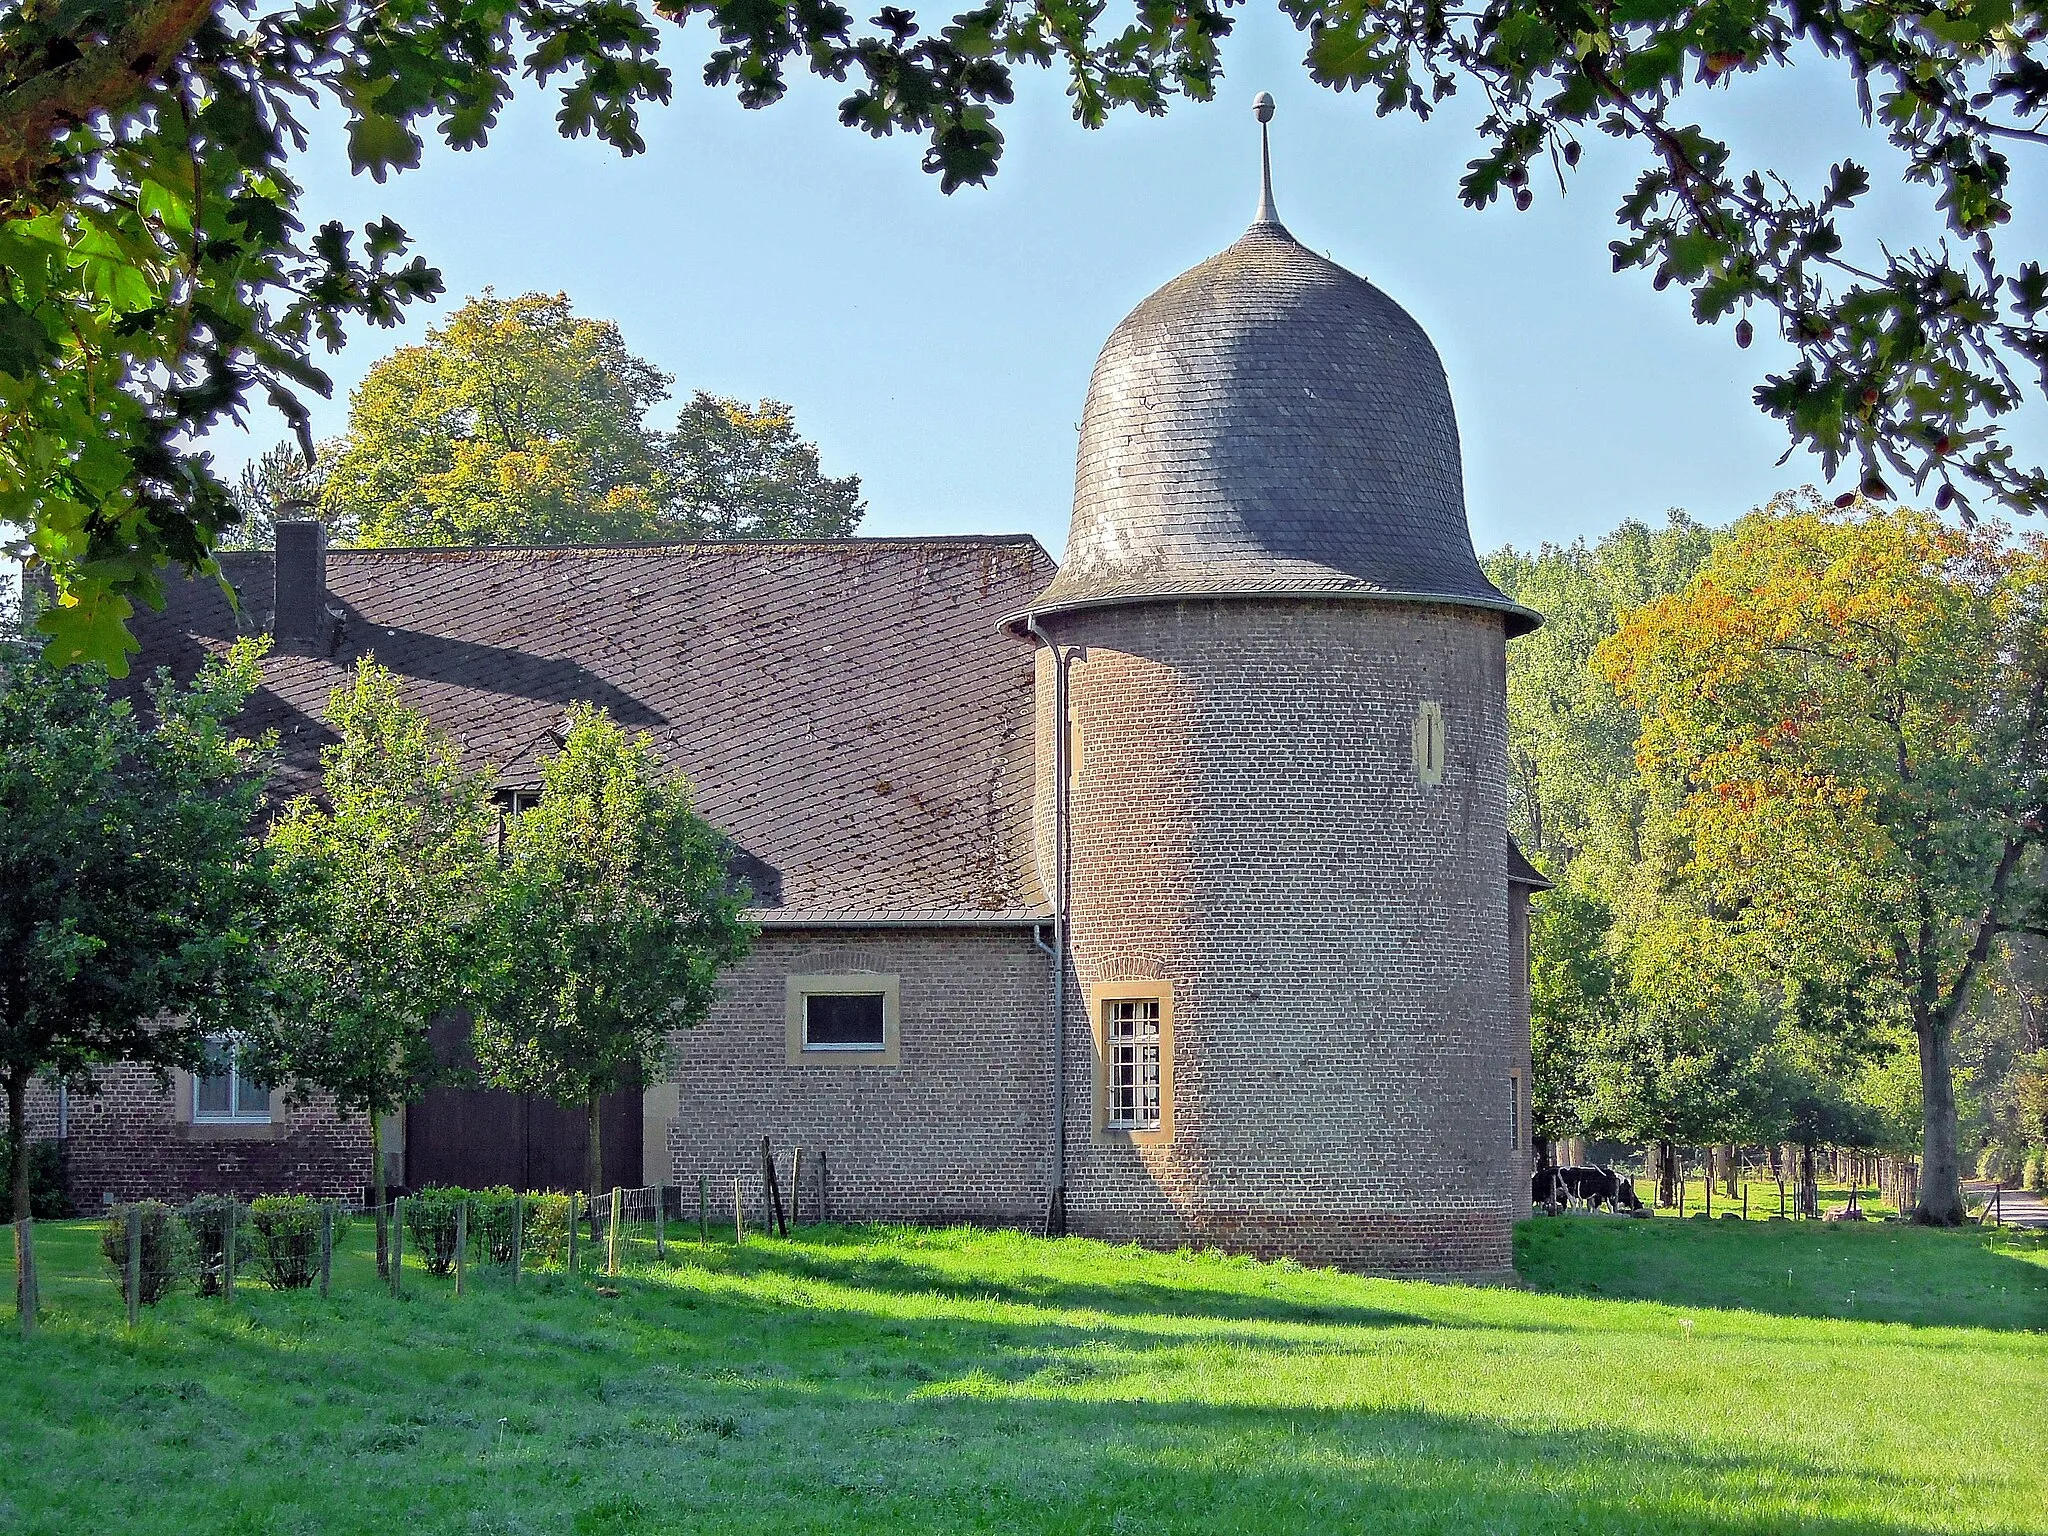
column 616, row 916
column 385, row 891
column 1847, row 709
column 134, row 896
column 154, row 272
column 282, row 483
column 520, row 422
column 737, row 471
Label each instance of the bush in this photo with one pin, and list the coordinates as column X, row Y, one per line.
column 547, row 1229
column 160, row 1266
column 2004, row 1162
column 2036, row 1175
column 491, row 1216
column 46, row 1198
column 430, row 1218
column 206, row 1223
column 288, row 1238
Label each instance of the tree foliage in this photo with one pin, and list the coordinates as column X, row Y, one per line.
column 520, row 422
column 615, row 917
column 155, row 273
column 385, row 890
column 1846, row 711
column 134, row 902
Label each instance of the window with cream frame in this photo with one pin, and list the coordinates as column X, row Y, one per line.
column 844, row 1019
column 223, row 1094
column 1133, row 1023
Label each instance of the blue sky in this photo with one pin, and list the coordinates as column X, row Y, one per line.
column 940, row 346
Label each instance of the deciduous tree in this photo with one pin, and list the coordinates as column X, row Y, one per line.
column 386, row 887
column 616, row 916
column 1847, row 711
column 134, row 895
column 157, row 273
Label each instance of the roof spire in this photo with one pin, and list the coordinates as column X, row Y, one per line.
column 1262, row 107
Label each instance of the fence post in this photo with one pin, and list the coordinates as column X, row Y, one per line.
column 611, row 1235
column 703, row 1209
column 134, row 1265
column 326, row 1246
column 25, row 1273
column 660, row 1223
column 796, row 1186
column 397, row 1244
column 739, row 1219
column 461, row 1247
column 227, row 1252
column 573, row 1267
column 518, row 1236
column 823, row 1215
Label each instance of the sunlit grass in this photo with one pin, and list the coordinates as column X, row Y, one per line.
column 869, row 1379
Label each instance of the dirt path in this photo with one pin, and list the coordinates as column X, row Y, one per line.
column 2016, row 1208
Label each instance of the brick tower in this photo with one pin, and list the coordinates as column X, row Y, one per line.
column 1294, row 1010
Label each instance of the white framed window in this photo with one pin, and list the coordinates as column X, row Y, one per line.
column 1133, row 1061
column 222, row 1093
column 845, row 1019
column 1131, row 1037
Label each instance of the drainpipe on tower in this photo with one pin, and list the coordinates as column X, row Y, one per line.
column 1056, row 1206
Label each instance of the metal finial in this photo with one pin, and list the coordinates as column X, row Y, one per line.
column 1262, row 107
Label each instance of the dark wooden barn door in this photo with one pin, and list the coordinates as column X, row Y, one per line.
column 482, row 1137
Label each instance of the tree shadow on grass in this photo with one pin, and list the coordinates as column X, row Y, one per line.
column 1881, row 1273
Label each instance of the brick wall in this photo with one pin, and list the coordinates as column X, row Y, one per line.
column 128, row 1141
column 956, row 1131
column 1248, row 824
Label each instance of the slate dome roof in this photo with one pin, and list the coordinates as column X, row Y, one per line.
column 1270, row 424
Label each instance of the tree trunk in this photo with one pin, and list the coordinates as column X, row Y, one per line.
column 1809, row 1184
column 593, row 1162
column 1667, row 1173
column 1731, row 1164
column 24, row 1251
column 377, row 1195
column 1941, row 1173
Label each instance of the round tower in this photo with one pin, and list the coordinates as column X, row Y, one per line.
column 1276, row 821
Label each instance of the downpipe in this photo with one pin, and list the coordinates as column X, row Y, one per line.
column 1056, row 1203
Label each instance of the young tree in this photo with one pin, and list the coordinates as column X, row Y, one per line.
column 616, row 916
column 385, row 888
column 134, row 895
column 1847, row 710
column 281, row 483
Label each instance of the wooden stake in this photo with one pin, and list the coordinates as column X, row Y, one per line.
column 823, row 1214
column 660, row 1223
column 227, row 1252
column 397, row 1245
column 461, row 1247
column 518, row 1237
column 796, row 1186
column 573, row 1267
column 739, row 1217
column 326, row 1247
column 134, row 1265
column 611, row 1244
column 703, row 1209
column 25, row 1273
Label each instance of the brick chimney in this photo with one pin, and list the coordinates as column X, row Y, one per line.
column 300, row 622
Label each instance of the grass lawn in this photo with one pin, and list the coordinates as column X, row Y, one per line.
column 1657, row 1376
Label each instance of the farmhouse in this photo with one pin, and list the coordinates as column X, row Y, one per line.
column 1166, row 895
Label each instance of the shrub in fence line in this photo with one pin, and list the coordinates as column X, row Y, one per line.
column 547, row 1229
column 206, row 1225
column 160, row 1256
column 492, row 1213
column 430, row 1221
column 2004, row 1161
column 2035, row 1176
column 287, row 1245
column 46, row 1198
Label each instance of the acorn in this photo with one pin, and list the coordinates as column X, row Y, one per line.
column 1662, row 281
column 1745, row 333
column 1875, row 488
column 1845, row 501
column 1571, row 153
column 1522, row 199
column 1945, row 497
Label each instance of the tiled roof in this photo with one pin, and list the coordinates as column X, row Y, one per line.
column 1269, row 423
column 846, row 710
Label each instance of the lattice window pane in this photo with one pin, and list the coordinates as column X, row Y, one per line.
column 1134, row 1063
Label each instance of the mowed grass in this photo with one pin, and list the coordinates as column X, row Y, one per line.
column 888, row 1380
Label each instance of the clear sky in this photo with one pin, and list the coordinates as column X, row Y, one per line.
column 940, row 346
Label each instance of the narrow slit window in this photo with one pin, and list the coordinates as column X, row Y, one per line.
column 1514, row 1109
column 222, row 1091
column 845, row 1021
column 1132, row 1033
